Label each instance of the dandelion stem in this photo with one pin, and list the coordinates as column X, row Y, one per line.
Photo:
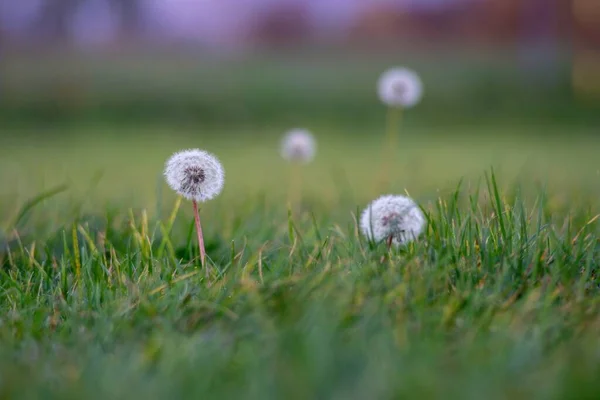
column 388, row 242
column 394, row 116
column 200, row 237
column 295, row 193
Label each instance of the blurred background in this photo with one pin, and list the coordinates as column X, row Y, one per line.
column 104, row 90
column 230, row 62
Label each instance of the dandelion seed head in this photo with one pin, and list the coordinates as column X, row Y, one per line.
column 400, row 87
column 195, row 174
column 395, row 216
column 298, row 145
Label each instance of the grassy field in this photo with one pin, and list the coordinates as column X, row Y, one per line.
column 102, row 295
column 285, row 87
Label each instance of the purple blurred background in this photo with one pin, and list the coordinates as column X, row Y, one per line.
column 236, row 24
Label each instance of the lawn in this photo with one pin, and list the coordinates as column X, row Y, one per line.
column 101, row 290
column 498, row 299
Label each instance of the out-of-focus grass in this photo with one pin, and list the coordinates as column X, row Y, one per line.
column 182, row 87
column 127, row 163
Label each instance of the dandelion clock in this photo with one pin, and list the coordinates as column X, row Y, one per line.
column 400, row 88
column 396, row 220
column 197, row 176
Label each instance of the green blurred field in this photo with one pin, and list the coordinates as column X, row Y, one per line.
column 125, row 164
column 284, row 87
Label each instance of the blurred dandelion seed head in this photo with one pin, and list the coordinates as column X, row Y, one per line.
column 195, row 174
column 398, row 217
column 400, row 87
column 298, row 145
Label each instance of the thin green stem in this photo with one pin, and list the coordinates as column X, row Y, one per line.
column 295, row 191
column 394, row 118
column 167, row 229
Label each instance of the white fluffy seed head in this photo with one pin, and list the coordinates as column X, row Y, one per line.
column 195, row 174
column 400, row 87
column 298, row 145
column 398, row 217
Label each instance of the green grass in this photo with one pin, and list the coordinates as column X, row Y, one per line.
column 288, row 87
column 498, row 299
